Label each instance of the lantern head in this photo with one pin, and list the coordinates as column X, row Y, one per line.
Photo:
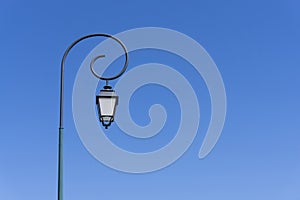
column 106, row 102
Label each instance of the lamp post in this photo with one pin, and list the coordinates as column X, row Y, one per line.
column 106, row 101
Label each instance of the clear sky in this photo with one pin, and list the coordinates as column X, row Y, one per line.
column 256, row 47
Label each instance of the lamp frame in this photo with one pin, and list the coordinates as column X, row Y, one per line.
column 99, row 108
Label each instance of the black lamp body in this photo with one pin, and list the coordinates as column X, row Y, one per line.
column 106, row 102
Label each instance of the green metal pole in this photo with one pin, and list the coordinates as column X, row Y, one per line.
column 60, row 164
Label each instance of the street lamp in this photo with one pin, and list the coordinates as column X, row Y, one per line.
column 106, row 101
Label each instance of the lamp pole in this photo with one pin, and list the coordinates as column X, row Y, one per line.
column 61, row 104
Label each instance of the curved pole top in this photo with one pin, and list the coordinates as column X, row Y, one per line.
column 100, row 56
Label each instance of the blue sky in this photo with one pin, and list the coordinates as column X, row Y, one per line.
column 255, row 45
